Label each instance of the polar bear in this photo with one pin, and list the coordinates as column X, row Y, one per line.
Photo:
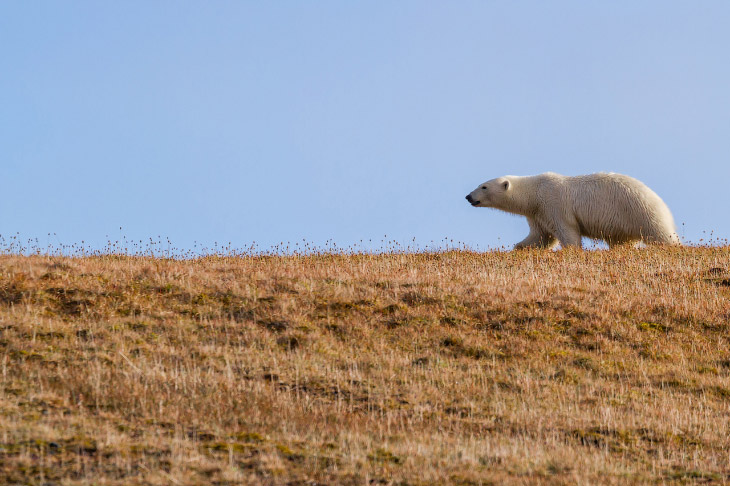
column 612, row 207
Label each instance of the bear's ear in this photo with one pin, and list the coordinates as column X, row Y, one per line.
column 505, row 185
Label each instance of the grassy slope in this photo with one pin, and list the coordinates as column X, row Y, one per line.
column 524, row 367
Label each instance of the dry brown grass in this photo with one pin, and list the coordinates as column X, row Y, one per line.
column 529, row 367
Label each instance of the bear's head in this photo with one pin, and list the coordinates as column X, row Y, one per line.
column 491, row 194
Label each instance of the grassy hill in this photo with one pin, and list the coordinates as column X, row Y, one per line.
column 607, row 367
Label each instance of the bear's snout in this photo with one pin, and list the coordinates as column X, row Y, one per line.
column 471, row 200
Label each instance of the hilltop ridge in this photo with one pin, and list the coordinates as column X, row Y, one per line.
column 434, row 368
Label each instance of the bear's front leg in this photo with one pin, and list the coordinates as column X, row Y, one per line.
column 569, row 236
column 564, row 226
column 537, row 238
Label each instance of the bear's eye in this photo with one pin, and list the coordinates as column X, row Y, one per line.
column 484, row 187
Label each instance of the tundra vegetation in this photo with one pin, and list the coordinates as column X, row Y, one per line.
column 453, row 367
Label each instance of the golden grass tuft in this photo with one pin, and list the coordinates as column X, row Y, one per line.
column 527, row 367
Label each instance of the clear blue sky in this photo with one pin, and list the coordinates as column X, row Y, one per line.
column 282, row 121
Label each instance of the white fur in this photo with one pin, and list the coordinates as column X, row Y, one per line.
column 612, row 207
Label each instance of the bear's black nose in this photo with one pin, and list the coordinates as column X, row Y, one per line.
column 468, row 198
